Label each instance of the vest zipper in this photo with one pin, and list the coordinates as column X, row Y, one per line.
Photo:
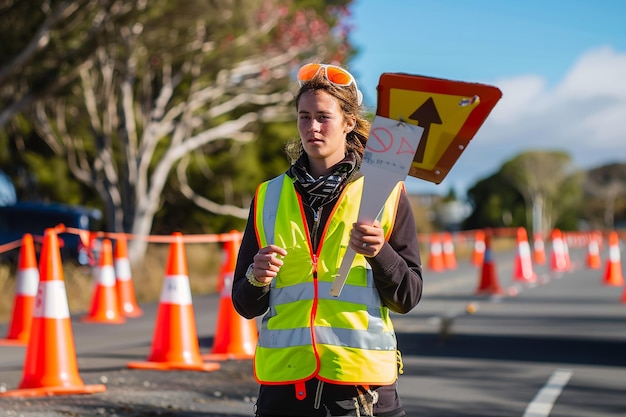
column 314, row 267
column 317, row 214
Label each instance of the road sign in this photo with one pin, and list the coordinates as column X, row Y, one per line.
column 386, row 161
column 450, row 112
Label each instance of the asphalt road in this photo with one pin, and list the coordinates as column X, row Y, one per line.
column 555, row 348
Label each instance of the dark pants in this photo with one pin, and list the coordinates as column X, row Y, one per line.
column 325, row 399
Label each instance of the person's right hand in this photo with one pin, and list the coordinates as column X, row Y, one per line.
column 267, row 263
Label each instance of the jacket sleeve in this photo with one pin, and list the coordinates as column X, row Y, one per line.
column 397, row 267
column 248, row 300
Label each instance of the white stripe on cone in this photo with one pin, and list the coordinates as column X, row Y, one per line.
column 614, row 254
column 27, row 282
column 106, row 276
column 51, row 301
column 122, row 268
column 176, row 290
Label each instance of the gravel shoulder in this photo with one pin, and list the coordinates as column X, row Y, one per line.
column 228, row 391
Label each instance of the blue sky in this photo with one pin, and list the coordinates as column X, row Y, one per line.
column 561, row 65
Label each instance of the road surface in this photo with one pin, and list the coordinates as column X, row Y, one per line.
column 555, row 348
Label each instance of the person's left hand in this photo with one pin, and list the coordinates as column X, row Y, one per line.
column 367, row 239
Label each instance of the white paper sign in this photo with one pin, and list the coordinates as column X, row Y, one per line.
column 387, row 159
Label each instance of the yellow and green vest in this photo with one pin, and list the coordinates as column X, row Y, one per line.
column 307, row 332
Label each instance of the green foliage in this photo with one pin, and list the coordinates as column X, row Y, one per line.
column 495, row 204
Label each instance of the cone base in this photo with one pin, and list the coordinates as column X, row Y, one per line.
column 497, row 291
column 613, row 280
column 221, row 357
column 133, row 313
column 174, row 366
column 52, row 391
column 614, row 284
column 530, row 280
column 87, row 319
column 13, row 342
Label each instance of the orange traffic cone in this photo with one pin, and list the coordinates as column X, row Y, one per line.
column 124, row 281
column 566, row 243
column 435, row 257
column 227, row 262
column 523, row 269
column 449, row 257
column 478, row 255
column 175, row 343
column 539, row 249
column 613, row 271
column 558, row 257
column 593, row 252
column 25, row 293
column 488, row 275
column 104, row 303
column 235, row 336
column 50, row 364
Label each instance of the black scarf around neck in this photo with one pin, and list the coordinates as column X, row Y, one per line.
column 319, row 191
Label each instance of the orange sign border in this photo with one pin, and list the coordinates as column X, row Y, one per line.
column 489, row 96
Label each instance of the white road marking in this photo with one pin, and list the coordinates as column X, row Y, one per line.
column 543, row 402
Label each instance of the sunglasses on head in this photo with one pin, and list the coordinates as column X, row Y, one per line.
column 334, row 74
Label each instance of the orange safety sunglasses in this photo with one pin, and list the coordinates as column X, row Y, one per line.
column 334, row 74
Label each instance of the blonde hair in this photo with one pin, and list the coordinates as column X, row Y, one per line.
column 349, row 103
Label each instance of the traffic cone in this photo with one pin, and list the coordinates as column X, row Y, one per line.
column 613, row 271
column 523, row 267
column 593, row 252
column 539, row 249
column 124, row 280
column 235, row 336
column 478, row 255
column 558, row 259
column 568, row 259
column 488, row 275
column 449, row 257
column 435, row 257
column 175, row 343
column 227, row 261
column 25, row 293
column 50, row 363
column 105, row 306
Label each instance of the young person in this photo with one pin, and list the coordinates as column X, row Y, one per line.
column 320, row 355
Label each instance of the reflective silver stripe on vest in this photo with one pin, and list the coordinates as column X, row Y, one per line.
column 305, row 291
column 272, row 196
column 285, row 338
column 360, row 339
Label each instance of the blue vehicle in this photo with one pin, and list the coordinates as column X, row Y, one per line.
column 33, row 217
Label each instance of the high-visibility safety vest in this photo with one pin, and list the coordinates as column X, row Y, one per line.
column 307, row 332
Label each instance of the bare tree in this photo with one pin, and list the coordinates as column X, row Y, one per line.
column 548, row 183
column 45, row 45
column 608, row 185
column 163, row 89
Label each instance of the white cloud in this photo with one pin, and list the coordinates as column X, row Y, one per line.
column 583, row 115
column 599, row 72
column 518, row 98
